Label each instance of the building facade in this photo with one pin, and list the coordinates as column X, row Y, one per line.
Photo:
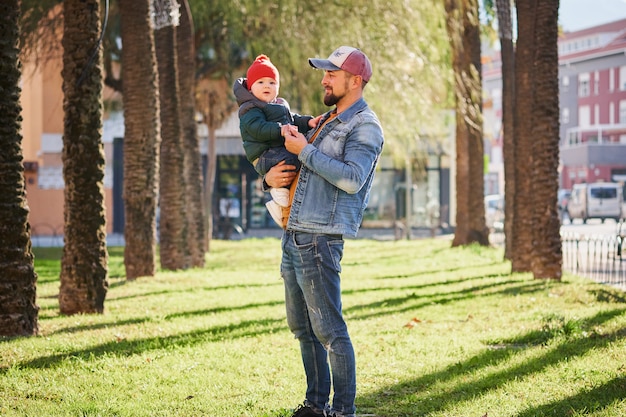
column 592, row 93
column 592, row 101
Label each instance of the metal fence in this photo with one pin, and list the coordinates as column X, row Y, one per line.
column 599, row 257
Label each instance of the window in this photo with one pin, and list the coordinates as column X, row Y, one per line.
column 565, row 116
column 583, row 85
column 622, row 111
column 622, row 78
column 611, row 113
column 584, row 116
column 602, row 192
column 565, row 83
column 611, row 80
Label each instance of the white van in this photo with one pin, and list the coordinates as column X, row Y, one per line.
column 601, row 200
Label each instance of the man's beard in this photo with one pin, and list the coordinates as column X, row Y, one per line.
column 331, row 99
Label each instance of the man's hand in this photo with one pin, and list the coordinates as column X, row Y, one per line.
column 280, row 175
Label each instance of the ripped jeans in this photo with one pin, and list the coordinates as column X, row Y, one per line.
column 310, row 269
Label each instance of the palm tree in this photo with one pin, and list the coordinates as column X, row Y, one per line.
column 141, row 138
column 505, row 28
column 18, row 310
column 463, row 28
column 196, row 234
column 547, row 253
column 84, row 261
column 173, row 230
column 522, row 242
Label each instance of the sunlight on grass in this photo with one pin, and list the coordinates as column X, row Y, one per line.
column 438, row 331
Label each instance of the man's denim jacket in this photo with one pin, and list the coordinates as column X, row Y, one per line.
column 337, row 172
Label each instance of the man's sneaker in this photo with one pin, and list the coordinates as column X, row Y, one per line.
column 275, row 211
column 306, row 411
column 280, row 196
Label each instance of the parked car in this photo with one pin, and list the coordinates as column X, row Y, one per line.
column 602, row 200
column 494, row 212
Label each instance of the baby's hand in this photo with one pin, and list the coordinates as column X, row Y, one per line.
column 293, row 130
column 284, row 130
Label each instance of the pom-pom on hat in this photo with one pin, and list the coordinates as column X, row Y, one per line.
column 261, row 67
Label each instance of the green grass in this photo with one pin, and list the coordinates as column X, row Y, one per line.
column 437, row 332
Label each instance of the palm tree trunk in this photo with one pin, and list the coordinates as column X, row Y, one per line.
column 521, row 243
column 209, row 186
column 211, row 170
column 173, row 230
column 505, row 28
column 196, row 234
column 84, row 261
column 547, row 252
column 18, row 308
column 463, row 28
column 141, row 138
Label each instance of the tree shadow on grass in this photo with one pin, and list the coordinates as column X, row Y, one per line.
column 445, row 269
column 182, row 314
column 429, row 284
column 194, row 290
column 407, row 394
column 593, row 400
column 148, row 294
column 609, row 295
column 124, row 347
column 414, row 301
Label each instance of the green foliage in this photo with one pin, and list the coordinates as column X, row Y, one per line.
column 437, row 332
column 406, row 41
column 488, row 26
column 219, row 37
column 411, row 54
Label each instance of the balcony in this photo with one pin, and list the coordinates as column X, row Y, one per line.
column 594, row 145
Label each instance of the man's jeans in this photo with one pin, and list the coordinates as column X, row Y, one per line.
column 310, row 268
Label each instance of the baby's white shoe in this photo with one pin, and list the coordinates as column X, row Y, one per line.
column 280, row 196
column 275, row 211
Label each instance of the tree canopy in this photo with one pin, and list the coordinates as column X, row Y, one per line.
column 406, row 41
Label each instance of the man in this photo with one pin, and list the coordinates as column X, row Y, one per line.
column 330, row 194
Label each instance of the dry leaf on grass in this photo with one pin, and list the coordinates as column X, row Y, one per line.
column 412, row 323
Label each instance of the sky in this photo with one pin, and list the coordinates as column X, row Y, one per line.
column 581, row 14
